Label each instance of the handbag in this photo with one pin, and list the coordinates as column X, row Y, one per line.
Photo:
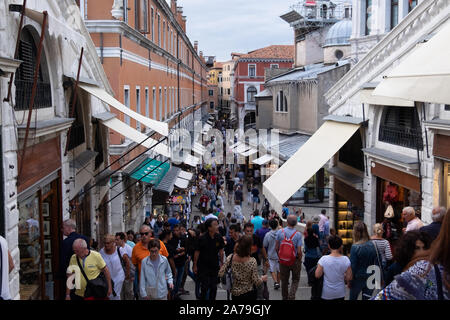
column 98, row 287
column 380, row 264
column 317, row 284
column 227, row 279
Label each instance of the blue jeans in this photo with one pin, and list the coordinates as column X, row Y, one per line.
column 357, row 286
column 178, row 280
column 212, row 204
column 197, row 283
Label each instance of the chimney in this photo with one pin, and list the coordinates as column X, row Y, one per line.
column 196, row 46
column 173, row 7
column 184, row 19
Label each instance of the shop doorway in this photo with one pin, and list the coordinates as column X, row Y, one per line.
column 39, row 243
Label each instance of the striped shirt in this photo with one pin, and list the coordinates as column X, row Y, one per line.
column 384, row 249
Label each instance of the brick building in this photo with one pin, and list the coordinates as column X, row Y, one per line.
column 249, row 78
column 155, row 71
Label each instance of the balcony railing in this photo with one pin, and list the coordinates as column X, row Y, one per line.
column 43, row 97
column 405, row 137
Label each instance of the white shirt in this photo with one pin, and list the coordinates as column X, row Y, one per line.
column 211, row 216
column 4, row 290
column 114, row 266
column 334, row 269
column 414, row 224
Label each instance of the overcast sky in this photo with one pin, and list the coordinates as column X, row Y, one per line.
column 225, row 26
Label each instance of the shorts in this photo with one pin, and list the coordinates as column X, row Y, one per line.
column 274, row 265
column 255, row 200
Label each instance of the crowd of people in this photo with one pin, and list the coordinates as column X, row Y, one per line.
column 240, row 249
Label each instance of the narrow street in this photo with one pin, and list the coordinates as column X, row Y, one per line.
column 303, row 291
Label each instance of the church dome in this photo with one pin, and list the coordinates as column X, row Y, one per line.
column 339, row 33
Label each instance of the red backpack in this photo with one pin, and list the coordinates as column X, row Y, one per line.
column 287, row 254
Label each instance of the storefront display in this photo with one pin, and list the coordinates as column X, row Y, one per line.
column 39, row 241
column 347, row 215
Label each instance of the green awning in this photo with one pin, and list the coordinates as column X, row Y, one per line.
column 148, row 165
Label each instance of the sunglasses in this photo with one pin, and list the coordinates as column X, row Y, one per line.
column 144, row 234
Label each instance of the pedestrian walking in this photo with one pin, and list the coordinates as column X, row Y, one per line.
column 237, row 212
column 312, row 252
column 413, row 222
column 92, row 265
column 230, row 189
column 289, row 248
column 261, row 232
column 257, row 246
column 257, row 221
column 433, row 229
column 177, row 252
column 208, row 259
column 255, row 197
column 336, row 270
column 6, row 266
column 244, row 271
column 125, row 253
column 220, row 197
column 66, row 252
column 428, row 278
column 269, row 243
column 362, row 256
column 249, row 193
column 156, row 275
column 110, row 254
column 232, row 238
column 238, row 195
column 203, row 203
column 382, row 247
column 409, row 247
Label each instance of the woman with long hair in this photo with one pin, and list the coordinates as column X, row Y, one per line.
column 362, row 255
column 429, row 277
column 244, row 271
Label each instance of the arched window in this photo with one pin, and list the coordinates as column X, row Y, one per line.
column 25, row 75
column 251, row 92
column 282, row 105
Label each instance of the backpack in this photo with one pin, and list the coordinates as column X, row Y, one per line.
column 286, row 253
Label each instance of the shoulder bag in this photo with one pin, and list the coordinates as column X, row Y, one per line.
column 380, row 264
column 98, row 287
column 227, row 279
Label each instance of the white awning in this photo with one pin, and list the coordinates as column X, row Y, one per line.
column 181, row 183
column 136, row 136
column 158, row 126
column 185, row 175
column 263, row 160
column 241, row 148
column 424, row 74
column 367, row 97
column 248, row 153
column 295, row 172
column 191, row 161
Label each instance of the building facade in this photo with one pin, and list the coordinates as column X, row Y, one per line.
column 398, row 156
column 52, row 144
column 249, row 77
column 155, row 71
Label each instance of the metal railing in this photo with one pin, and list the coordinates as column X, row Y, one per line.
column 43, row 97
column 405, row 137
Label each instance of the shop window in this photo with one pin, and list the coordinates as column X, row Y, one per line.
column 347, row 215
column 400, row 126
column 77, row 136
column 351, row 153
column 24, row 77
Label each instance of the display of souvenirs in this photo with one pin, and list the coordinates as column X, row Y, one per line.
column 346, row 216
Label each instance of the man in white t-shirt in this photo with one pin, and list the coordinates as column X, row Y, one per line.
column 414, row 223
column 336, row 270
column 126, row 252
column 6, row 266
